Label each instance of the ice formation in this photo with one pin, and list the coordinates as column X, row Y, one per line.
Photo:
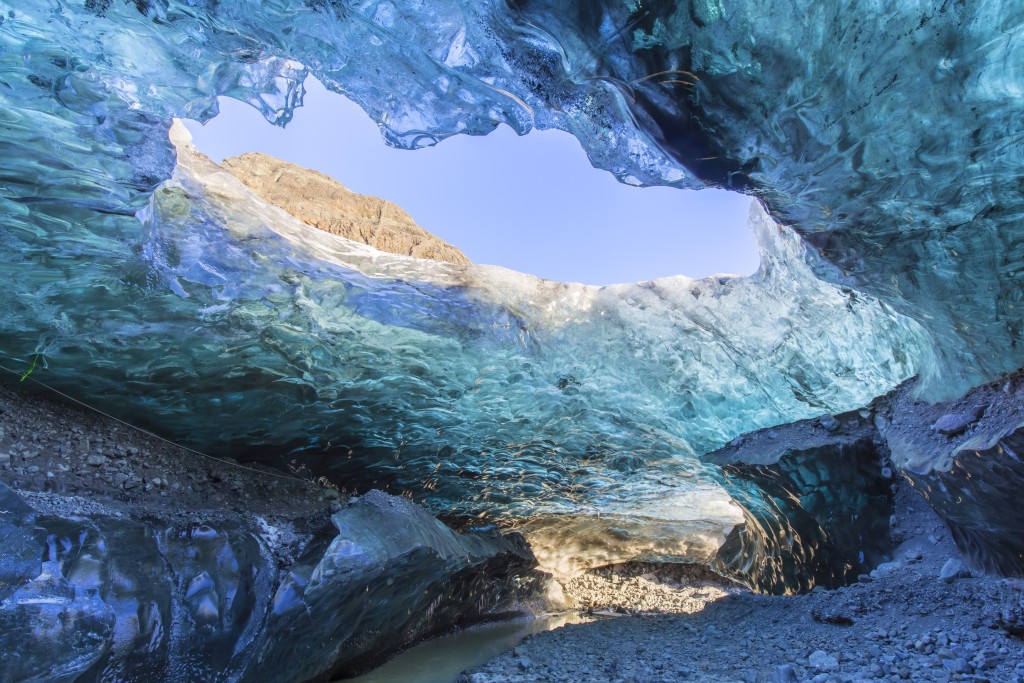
column 882, row 140
column 128, row 599
column 484, row 390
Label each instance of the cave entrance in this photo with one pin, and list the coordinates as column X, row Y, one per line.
column 533, row 203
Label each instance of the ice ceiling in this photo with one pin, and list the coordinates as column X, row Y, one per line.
column 887, row 135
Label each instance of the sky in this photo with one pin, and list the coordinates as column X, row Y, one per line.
column 532, row 203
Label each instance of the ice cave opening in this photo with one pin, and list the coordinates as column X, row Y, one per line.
column 530, row 203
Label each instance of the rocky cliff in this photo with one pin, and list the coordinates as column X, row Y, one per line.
column 324, row 203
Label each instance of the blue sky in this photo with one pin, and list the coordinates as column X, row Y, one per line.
column 531, row 203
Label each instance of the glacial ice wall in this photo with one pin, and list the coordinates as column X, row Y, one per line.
column 887, row 135
column 238, row 329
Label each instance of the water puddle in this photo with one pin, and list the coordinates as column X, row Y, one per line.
column 442, row 659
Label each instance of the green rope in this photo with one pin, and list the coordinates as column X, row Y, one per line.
column 31, row 368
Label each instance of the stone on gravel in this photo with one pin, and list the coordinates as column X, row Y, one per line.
column 954, row 569
column 952, row 424
column 784, row 674
column 634, row 588
column 956, row 666
column 829, row 422
column 823, row 661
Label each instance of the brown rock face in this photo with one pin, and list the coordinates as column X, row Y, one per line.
column 324, row 203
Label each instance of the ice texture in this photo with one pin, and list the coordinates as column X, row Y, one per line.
column 964, row 458
column 115, row 598
column 816, row 516
column 978, row 496
column 882, row 139
column 239, row 330
column 886, row 135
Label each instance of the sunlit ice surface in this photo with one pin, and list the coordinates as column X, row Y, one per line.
column 484, row 390
column 479, row 388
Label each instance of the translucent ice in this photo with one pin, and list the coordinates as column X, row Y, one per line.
column 884, row 139
column 897, row 162
column 235, row 328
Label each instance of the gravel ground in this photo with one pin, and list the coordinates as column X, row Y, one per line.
column 648, row 588
column 64, row 458
column 904, row 622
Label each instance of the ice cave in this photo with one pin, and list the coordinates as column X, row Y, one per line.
column 236, row 445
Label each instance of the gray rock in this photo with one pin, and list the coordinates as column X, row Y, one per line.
column 823, row 661
column 956, row 666
column 954, row 569
column 885, row 569
column 882, row 424
column 952, row 424
column 784, row 674
column 96, row 460
column 828, row 422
